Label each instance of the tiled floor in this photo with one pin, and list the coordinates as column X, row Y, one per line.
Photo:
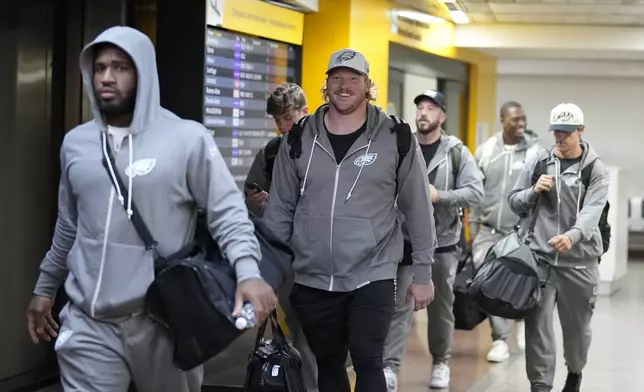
column 616, row 357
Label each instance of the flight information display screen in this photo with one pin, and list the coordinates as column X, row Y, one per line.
column 241, row 72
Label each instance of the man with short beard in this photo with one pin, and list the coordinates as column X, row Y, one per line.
column 172, row 168
column 501, row 159
column 333, row 197
column 455, row 183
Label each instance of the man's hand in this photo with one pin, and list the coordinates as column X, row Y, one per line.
column 257, row 199
column 543, row 184
column 561, row 243
column 40, row 323
column 434, row 193
column 423, row 294
column 259, row 294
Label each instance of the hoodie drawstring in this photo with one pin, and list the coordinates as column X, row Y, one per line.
column 366, row 154
column 308, row 165
column 113, row 174
column 129, row 184
column 447, row 176
column 111, row 168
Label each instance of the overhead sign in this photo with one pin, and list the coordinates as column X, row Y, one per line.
column 258, row 18
column 305, row 5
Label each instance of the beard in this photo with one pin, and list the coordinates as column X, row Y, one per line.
column 427, row 128
column 116, row 106
column 349, row 106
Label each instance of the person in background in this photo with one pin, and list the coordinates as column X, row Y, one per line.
column 333, row 198
column 566, row 243
column 455, row 184
column 287, row 105
column 173, row 168
column 500, row 160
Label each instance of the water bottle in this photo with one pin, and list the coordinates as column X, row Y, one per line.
column 247, row 317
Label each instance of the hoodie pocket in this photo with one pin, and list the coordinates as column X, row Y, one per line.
column 354, row 243
column 115, row 282
column 311, row 243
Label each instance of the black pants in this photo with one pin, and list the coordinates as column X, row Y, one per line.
column 338, row 323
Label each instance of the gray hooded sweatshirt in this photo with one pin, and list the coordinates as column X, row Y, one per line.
column 567, row 208
column 341, row 219
column 171, row 167
column 465, row 192
column 501, row 169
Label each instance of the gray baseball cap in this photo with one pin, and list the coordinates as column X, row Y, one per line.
column 349, row 58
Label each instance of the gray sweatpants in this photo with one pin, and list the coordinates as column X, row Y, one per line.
column 574, row 292
column 440, row 325
column 484, row 240
column 309, row 364
column 401, row 321
column 97, row 356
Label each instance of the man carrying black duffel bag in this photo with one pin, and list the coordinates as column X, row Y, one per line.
column 567, row 244
column 171, row 167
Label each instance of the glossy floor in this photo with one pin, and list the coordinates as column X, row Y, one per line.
column 616, row 357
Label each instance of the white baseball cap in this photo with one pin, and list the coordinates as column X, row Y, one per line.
column 566, row 117
column 349, row 58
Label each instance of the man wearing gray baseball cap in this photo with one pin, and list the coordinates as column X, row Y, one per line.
column 333, row 198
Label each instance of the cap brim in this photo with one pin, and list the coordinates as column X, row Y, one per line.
column 564, row 127
column 346, row 67
column 423, row 96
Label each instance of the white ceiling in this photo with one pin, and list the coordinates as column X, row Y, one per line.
column 552, row 54
column 589, row 12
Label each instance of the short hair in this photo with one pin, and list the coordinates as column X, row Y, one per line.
column 505, row 108
column 286, row 97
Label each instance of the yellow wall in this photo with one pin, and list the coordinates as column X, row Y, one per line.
column 365, row 25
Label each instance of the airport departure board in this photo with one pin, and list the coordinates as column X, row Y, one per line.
column 241, row 72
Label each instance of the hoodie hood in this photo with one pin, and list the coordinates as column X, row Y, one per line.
column 529, row 139
column 147, row 107
column 375, row 119
column 141, row 50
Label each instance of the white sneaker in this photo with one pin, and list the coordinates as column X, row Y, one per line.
column 521, row 335
column 499, row 352
column 440, row 376
column 392, row 380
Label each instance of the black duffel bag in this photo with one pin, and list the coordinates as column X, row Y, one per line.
column 193, row 292
column 507, row 283
column 274, row 365
column 466, row 314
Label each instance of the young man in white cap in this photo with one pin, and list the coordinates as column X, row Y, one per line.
column 455, row 183
column 567, row 189
column 336, row 181
column 501, row 159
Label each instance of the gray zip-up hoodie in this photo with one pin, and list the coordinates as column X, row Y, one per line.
column 561, row 210
column 466, row 192
column 341, row 219
column 171, row 167
column 501, row 169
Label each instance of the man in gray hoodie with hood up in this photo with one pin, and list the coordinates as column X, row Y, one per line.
column 501, row 159
column 567, row 244
column 333, row 197
column 172, row 167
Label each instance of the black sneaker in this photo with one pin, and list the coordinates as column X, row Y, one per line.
column 573, row 383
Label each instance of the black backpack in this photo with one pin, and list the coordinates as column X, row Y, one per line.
column 274, row 365
column 270, row 153
column 604, row 227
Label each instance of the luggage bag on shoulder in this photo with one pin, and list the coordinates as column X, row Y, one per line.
column 507, row 283
column 274, row 365
column 192, row 295
column 467, row 315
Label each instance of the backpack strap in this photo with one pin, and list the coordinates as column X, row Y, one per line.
column 456, row 153
column 294, row 138
column 271, row 150
column 585, row 176
column 403, row 138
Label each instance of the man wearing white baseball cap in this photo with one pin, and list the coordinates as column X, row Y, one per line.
column 567, row 188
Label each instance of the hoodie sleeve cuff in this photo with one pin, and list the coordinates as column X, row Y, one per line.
column 49, row 282
column 574, row 234
column 246, row 269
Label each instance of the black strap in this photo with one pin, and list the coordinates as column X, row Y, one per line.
column 276, row 331
column 137, row 220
